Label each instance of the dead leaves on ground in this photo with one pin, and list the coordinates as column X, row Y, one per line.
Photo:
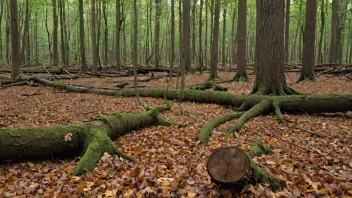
column 172, row 162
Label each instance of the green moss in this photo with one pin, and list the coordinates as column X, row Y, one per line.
column 241, row 78
column 60, row 86
column 258, row 149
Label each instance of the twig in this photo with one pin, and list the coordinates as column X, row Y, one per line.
column 32, row 94
column 304, row 130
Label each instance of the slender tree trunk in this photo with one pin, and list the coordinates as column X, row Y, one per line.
column 200, row 34
column 300, row 27
column 224, row 39
column 36, row 39
column 94, row 37
column 172, row 56
column 62, row 31
column 15, row 40
column 287, row 29
column 215, row 43
column 308, row 58
column 157, row 32
column 194, row 55
column 241, row 74
column 270, row 78
column 81, row 36
column 1, row 48
column 322, row 27
column 118, row 35
column 334, row 46
column 135, row 43
column 25, row 37
column 186, row 35
column 233, row 40
column 55, row 35
column 206, row 37
column 106, row 33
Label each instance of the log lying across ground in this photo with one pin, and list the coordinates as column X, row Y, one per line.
column 94, row 137
column 231, row 167
column 251, row 105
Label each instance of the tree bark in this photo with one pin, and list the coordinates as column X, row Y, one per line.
column 172, row 56
column 94, row 37
column 15, row 40
column 157, row 32
column 186, row 61
column 200, row 38
column 118, row 35
column 270, row 78
column 215, row 43
column 334, row 46
column 135, row 44
column 223, row 51
column 55, row 35
column 322, row 27
column 287, row 29
column 241, row 74
column 308, row 58
column 82, row 39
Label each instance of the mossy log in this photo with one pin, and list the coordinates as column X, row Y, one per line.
column 291, row 104
column 94, row 137
column 231, row 167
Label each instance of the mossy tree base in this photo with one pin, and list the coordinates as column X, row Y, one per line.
column 94, row 137
column 233, row 168
column 303, row 77
column 240, row 78
column 276, row 90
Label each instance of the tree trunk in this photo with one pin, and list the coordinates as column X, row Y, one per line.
column 308, row 58
column 1, row 47
column 55, row 35
column 186, row 61
column 157, row 32
column 64, row 140
column 135, row 43
column 194, row 55
column 270, row 78
column 322, row 27
column 223, row 51
column 118, row 35
column 172, row 56
column 333, row 57
column 81, row 36
column 15, row 40
column 106, row 33
column 215, row 42
column 25, row 38
column 241, row 74
column 200, row 38
column 287, row 29
column 233, row 40
column 243, row 169
column 94, row 37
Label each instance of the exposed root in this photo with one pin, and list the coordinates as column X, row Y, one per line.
column 211, row 124
column 243, row 107
column 277, row 110
column 258, row 109
column 240, row 78
column 303, row 77
column 142, row 103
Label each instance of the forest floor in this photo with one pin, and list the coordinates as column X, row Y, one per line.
column 172, row 162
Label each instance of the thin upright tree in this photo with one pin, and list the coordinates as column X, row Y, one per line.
column 135, row 43
column 308, row 57
column 287, row 29
column 157, row 32
column 82, row 39
column 335, row 22
column 215, row 42
column 118, row 35
column 55, row 34
column 241, row 74
column 15, row 40
column 93, row 36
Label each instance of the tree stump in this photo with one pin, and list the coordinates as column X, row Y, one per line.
column 228, row 167
column 232, row 168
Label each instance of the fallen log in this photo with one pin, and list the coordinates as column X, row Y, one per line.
column 231, row 167
column 64, row 140
column 253, row 105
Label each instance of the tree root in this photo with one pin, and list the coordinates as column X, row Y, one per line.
column 258, row 109
column 303, row 77
column 279, row 90
column 211, row 124
column 240, row 78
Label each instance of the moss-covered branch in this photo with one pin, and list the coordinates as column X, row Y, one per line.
column 60, row 141
column 290, row 104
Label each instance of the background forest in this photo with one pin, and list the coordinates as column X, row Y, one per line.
column 36, row 27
